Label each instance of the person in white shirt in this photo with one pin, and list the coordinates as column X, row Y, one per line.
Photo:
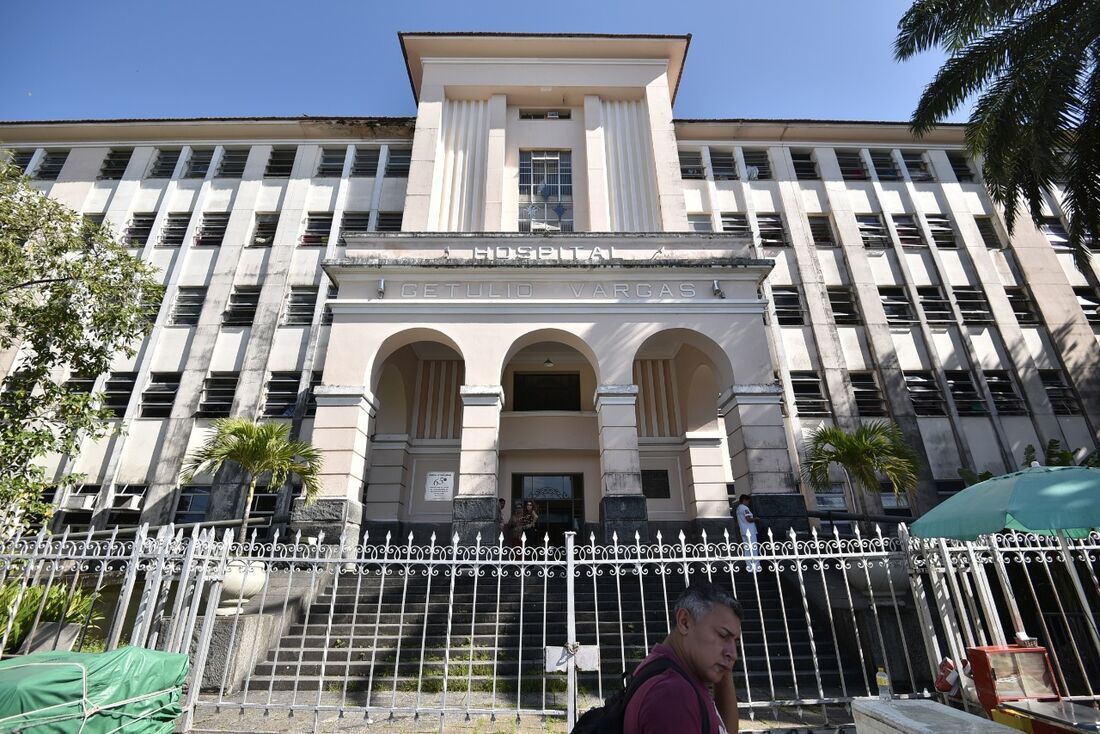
column 747, row 523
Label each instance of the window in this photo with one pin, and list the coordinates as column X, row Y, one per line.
column 758, row 167
column 545, row 114
column 397, row 162
column 188, row 306
column 125, row 509
column 299, row 306
column 851, row 165
column 968, row 401
column 924, row 392
column 909, row 234
column 21, row 159
column 117, row 391
column 333, row 292
column 937, row 309
column 198, row 165
column 737, row 224
column 263, row 233
column 545, row 191
column 318, row 227
column 772, row 232
column 366, row 162
column 1089, row 301
column 192, row 505
column 961, row 166
column 160, row 394
column 50, row 166
column 139, row 229
column 243, row 302
column 988, row 232
column 233, row 161
column 354, row 223
column 174, row 229
column 723, row 165
column 311, row 398
column 655, row 484
column 805, row 167
column 973, row 305
column 943, row 234
column 918, row 168
column 1059, row 393
column 164, row 165
column 872, row 231
column 869, row 403
column 691, row 165
column 212, row 230
column 788, row 305
column 842, row 302
column 80, row 384
column 216, row 400
column 885, row 167
column 1005, row 398
column 391, row 222
column 808, row 398
column 114, row 165
column 282, row 394
column 1022, row 306
column 821, row 230
column 546, row 391
column 700, row 223
column 896, row 305
column 893, row 503
column 1055, row 233
column 332, row 162
column 280, row 163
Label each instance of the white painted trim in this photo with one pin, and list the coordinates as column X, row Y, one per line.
column 549, row 308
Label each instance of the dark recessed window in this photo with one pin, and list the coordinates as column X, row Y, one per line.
column 546, row 391
column 655, row 484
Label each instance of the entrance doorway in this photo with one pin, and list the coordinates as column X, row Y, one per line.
column 559, row 499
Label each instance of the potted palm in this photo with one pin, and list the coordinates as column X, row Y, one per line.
column 257, row 449
column 876, row 449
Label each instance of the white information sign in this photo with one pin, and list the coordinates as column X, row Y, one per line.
column 439, row 486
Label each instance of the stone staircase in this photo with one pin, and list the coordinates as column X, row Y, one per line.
column 358, row 639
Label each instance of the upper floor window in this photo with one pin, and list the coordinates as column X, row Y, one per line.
column 398, row 161
column 233, row 161
column 164, row 165
column 546, row 391
column 961, row 166
column 943, row 234
column 772, row 231
column 851, row 165
column 723, row 165
column 332, row 162
column 114, row 165
column 909, row 234
column 21, row 159
column 545, row 191
column 988, row 232
column 1055, row 232
column 691, row 165
column 50, row 167
column 700, row 223
column 805, row 167
column 365, row 164
column 545, row 114
column 758, row 167
column 917, row 166
column 280, row 163
column 885, row 167
column 872, row 231
column 199, row 163
column 821, row 230
column 737, row 224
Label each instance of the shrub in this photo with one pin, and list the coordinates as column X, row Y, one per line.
column 55, row 609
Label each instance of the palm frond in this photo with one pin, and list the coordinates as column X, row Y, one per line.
column 874, row 449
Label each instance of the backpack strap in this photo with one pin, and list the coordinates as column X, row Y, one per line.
column 654, row 669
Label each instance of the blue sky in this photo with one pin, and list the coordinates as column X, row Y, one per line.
column 827, row 59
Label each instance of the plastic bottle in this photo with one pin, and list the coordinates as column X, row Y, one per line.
column 883, row 682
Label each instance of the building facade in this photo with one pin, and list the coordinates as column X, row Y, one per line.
column 545, row 287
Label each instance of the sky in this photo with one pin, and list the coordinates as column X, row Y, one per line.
column 100, row 59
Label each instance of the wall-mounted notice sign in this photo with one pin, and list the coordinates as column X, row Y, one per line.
column 439, row 486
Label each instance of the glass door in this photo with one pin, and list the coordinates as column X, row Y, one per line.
column 558, row 498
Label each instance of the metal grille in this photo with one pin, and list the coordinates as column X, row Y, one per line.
column 365, row 163
column 21, row 159
column 758, row 166
column 212, row 230
column 331, row 164
column 869, row 402
column 973, row 305
column 217, row 395
column 872, row 231
column 50, row 167
column 233, row 162
column 943, row 234
column 280, row 163
column 318, row 229
column 198, row 165
column 772, row 231
column 737, row 224
column 885, row 167
column 988, row 232
column 241, row 309
column 788, row 305
column 545, row 191
column 188, row 306
column 1003, row 391
column 805, row 167
column 1089, row 301
column 158, row 397
column 851, row 165
column 114, row 165
column 691, row 165
column 300, row 304
column 723, row 165
column 354, row 223
column 1053, row 229
column 967, row 399
column 808, row 398
column 821, row 230
column 843, row 304
column 397, row 162
column 174, row 229
column 389, row 221
column 263, row 233
column 915, row 163
column 164, row 165
column 896, row 305
column 1061, row 396
column 282, row 394
column 937, row 309
column 139, row 229
column 961, row 166
column 909, row 234
column 117, row 391
column 925, row 393
column 1022, row 305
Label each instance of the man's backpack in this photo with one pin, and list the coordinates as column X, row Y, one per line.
column 609, row 718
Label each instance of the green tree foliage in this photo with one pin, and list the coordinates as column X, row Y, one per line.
column 1054, row 455
column 1034, row 66
column 71, row 298
column 875, row 449
column 257, row 449
column 58, row 607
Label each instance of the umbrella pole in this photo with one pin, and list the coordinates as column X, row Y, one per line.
column 1006, row 589
column 1067, row 558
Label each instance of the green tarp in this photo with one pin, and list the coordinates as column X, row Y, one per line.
column 128, row 690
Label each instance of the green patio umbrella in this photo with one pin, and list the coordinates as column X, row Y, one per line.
column 1040, row 499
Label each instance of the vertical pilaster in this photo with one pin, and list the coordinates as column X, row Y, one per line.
column 493, row 220
column 622, row 504
column 708, row 475
column 341, row 431
column 599, row 211
column 475, row 504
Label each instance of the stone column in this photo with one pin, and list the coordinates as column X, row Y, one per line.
column 475, row 504
column 622, row 504
column 761, row 464
column 341, row 431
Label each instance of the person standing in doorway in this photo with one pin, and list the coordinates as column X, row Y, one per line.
column 501, row 524
column 746, row 521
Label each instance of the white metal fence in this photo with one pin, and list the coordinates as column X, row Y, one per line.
column 395, row 629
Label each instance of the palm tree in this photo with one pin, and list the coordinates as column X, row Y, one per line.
column 1034, row 65
column 258, row 449
column 874, row 449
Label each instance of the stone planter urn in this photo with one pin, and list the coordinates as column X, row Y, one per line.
column 243, row 580
column 879, row 588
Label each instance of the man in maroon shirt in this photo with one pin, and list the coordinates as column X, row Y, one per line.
column 703, row 646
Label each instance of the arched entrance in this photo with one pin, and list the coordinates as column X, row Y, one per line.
column 549, row 447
